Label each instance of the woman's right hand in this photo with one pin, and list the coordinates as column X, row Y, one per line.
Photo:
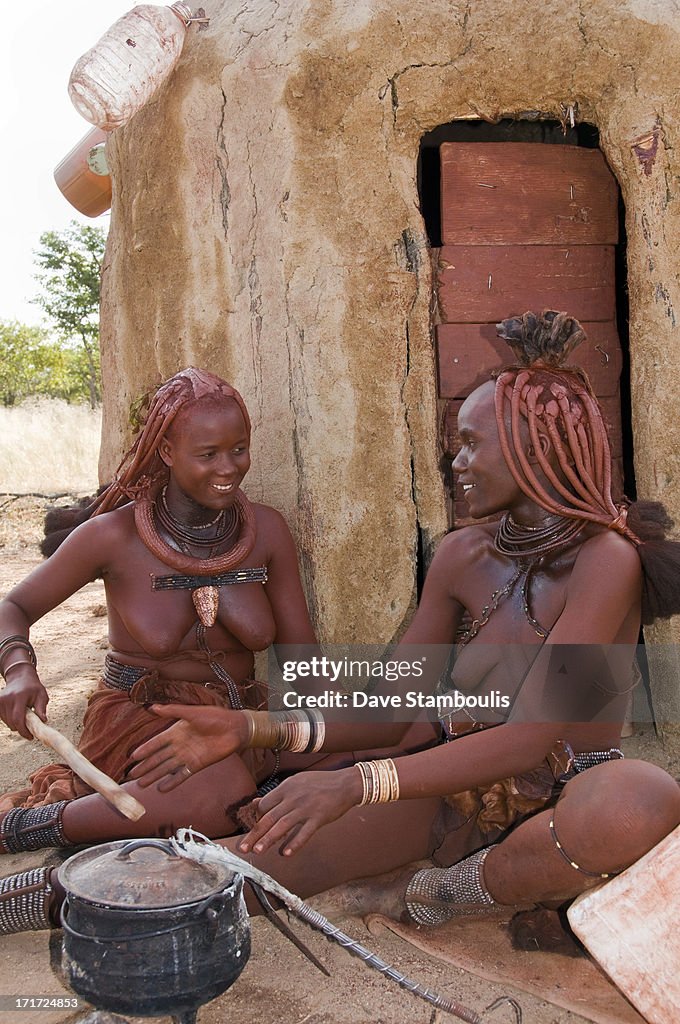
column 201, row 736
column 291, row 814
column 22, row 690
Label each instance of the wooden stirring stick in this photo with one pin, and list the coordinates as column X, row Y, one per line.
column 84, row 769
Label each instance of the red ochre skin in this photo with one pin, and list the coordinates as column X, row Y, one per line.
column 206, row 451
column 311, row 834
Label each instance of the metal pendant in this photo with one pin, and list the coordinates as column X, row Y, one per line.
column 206, row 602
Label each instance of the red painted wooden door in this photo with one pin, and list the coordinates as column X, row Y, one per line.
column 524, row 226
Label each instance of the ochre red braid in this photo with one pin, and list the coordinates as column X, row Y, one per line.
column 141, row 468
column 570, row 416
column 545, row 465
column 556, row 400
column 142, row 473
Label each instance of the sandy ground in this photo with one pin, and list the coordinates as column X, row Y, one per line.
column 278, row 985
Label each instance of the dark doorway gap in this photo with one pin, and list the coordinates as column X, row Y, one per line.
column 541, row 132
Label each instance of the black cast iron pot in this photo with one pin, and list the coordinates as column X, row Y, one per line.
column 150, row 933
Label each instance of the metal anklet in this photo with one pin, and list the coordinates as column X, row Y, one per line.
column 456, row 891
column 33, row 828
column 25, row 901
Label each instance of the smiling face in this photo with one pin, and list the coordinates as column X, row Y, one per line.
column 488, row 485
column 207, row 452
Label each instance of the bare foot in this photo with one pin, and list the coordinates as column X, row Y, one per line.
column 382, row 894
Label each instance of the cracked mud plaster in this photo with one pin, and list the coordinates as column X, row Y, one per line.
column 266, row 223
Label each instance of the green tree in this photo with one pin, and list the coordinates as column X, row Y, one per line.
column 70, row 264
column 32, row 364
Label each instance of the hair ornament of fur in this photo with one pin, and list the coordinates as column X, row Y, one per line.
column 545, row 339
column 660, row 557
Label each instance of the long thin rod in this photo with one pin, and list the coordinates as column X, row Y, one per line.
column 196, row 846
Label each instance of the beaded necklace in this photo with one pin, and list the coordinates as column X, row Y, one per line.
column 192, row 536
column 527, row 544
column 175, row 558
column 203, row 576
column 518, row 540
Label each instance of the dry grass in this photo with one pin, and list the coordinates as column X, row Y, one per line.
column 21, row 523
column 48, row 447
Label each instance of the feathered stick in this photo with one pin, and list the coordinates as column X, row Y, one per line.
column 195, row 846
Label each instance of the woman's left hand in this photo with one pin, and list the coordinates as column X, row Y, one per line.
column 202, row 736
column 301, row 805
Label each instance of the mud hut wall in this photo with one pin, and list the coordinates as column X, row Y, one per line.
column 266, row 224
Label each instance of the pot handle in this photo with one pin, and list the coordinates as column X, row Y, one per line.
column 210, row 909
column 136, row 844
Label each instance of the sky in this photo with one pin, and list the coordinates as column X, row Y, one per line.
column 39, row 44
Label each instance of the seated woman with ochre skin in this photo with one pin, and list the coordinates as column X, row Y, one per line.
column 552, row 578
column 197, row 579
column 554, row 595
column 181, row 628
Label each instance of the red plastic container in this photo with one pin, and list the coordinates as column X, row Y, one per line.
column 87, row 191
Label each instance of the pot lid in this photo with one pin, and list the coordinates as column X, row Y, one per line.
column 140, row 873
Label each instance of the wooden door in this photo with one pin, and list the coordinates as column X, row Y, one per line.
column 524, row 226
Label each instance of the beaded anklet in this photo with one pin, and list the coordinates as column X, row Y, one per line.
column 435, row 895
column 33, row 828
column 25, row 901
column 565, row 855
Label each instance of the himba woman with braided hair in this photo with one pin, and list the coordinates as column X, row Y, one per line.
column 197, row 578
column 531, row 806
column 534, row 805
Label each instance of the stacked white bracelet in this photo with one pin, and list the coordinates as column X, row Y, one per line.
column 380, row 779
